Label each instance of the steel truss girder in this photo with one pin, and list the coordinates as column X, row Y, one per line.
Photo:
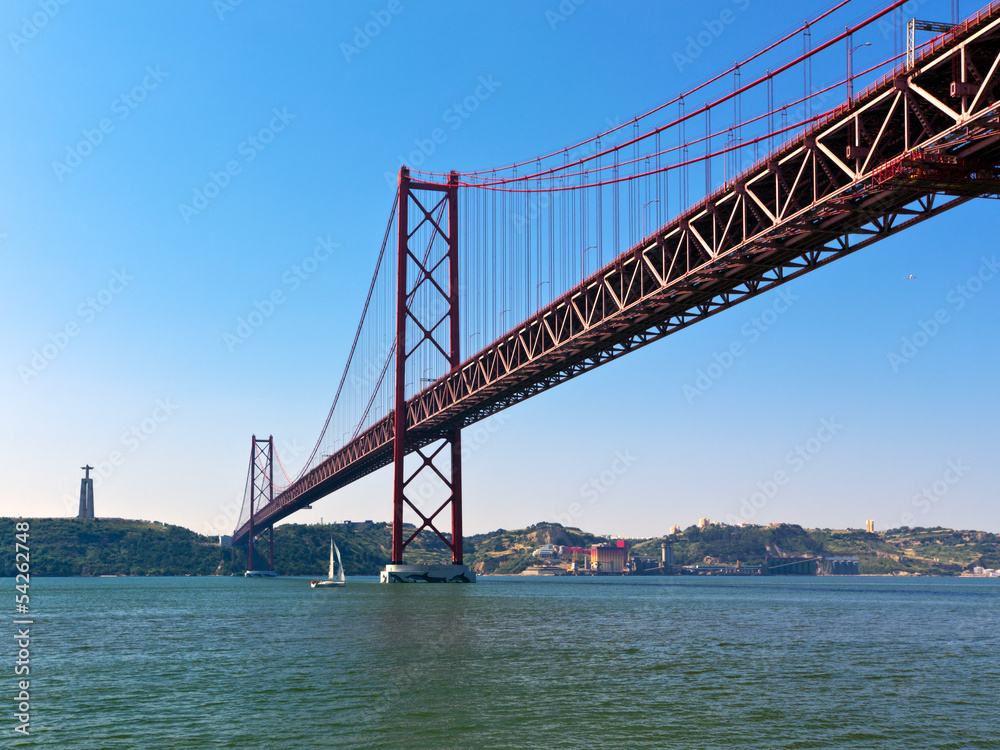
column 814, row 200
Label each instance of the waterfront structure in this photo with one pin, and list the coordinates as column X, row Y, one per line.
column 717, row 569
column 791, row 566
column 666, row 555
column 547, row 552
column 608, row 558
column 86, row 494
column 840, row 566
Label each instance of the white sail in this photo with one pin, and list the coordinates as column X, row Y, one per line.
column 340, row 566
column 330, row 574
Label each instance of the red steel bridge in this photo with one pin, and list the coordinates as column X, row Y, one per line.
column 494, row 286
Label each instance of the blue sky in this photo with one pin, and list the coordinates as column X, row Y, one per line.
column 116, row 300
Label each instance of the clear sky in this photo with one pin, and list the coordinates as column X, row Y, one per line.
column 117, row 300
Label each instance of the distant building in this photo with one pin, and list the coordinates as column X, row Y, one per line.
column 225, row 541
column 357, row 525
column 703, row 523
column 841, row 566
column 870, row 525
column 547, row 552
column 608, row 558
column 666, row 555
column 675, row 529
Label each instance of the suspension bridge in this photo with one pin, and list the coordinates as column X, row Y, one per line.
column 493, row 286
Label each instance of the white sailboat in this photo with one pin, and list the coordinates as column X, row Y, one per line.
column 335, row 576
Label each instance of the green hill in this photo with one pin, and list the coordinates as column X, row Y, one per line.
column 114, row 546
column 934, row 551
column 301, row 549
column 507, row 552
column 729, row 544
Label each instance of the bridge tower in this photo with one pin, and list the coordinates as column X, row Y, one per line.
column 427, row 294
column 261, row 493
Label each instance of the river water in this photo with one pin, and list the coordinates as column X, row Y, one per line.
column 838, row 662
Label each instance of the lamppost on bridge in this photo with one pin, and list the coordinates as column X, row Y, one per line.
column 538, row 294
column 644, row 206
column 850, row 66
column 583, row 260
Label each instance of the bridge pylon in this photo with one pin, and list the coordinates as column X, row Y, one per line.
column 261, row 493
column 427, row 296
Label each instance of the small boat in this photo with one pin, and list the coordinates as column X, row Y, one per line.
column 260, row 574
column 335, row 576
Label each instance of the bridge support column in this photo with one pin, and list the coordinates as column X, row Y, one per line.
column 427, row 467
column 261, row 494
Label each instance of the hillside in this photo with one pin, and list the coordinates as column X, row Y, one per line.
column 506, row 552
column 302, row 550
column 729, row 544
column 929, row 551
column 935, row 551
column 112, row 546
column 108, row 546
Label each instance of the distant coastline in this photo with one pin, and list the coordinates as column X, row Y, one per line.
column 123, row 547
